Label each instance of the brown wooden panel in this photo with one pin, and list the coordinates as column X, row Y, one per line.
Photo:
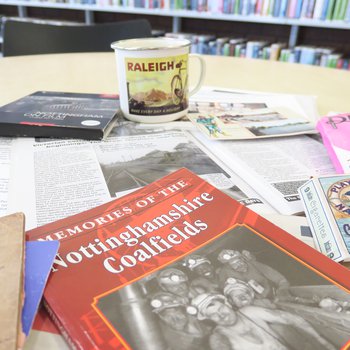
column 11, row 274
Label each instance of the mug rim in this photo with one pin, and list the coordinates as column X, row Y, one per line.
column 153, row 44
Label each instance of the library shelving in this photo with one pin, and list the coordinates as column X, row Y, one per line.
column 312, row 32
column 178, row 15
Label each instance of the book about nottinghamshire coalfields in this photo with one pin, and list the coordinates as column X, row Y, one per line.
column 179, row 265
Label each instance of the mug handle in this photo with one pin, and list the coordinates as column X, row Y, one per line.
column 202, row 73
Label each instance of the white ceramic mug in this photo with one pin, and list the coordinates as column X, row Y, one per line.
column 153, row 78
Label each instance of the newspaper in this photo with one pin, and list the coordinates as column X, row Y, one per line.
column 52, row 179
column 5, row 157
column 275, row 168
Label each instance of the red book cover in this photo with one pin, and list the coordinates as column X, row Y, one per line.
column 180, row 265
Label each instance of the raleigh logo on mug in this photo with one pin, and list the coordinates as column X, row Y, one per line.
column 153, row 78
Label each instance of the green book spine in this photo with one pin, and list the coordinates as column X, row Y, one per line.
column 237, row 6
column 270, row 9
column 343, row 8
column 336, row 9
column 330, row 9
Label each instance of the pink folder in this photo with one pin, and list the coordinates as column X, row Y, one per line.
column 335, row 132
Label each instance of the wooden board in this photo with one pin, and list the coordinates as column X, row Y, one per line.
column 12, row 242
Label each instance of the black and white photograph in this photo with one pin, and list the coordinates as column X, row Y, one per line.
column 238, row 292
column 149, row 156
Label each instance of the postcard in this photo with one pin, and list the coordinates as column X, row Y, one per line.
column 250, row 116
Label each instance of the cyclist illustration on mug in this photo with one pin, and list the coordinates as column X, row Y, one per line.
column 179, row 83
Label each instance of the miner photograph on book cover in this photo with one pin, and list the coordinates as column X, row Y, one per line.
column 237, row 292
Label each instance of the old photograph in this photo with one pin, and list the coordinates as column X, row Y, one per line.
column 152, row 155
column 238, row 292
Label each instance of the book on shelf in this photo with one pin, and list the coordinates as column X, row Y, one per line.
column 318, row 9
column 335, row 131
column 60, row 115
column 240, row 47
column 324, row 9
column 167, row 266
column 330, row 10
column 326, row 200
column 12, row 245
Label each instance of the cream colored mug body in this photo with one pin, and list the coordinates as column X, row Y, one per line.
column 153, row 78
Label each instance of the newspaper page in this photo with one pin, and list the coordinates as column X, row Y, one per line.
column 52, row 179
column 5, row 157
column 275, row 168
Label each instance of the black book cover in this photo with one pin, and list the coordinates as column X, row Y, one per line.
column 60, row 115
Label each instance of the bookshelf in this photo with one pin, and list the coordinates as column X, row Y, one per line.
column 177, row 16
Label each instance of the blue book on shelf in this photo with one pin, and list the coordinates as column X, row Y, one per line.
column 283, row 8
column 194, row 5
column 307, row 56
column 298, row 8
column 324, row 10
column 225, row 6
column 276, row 8
column 240, row 10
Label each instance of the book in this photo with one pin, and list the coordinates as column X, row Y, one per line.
column 324, row 10
column 38, row 262
column 335, row 130
column 342, row 11
column 60, row 115
column 127, row 277
column 12, row 271
column 330, row 9
column 327, row 208
column 318, row 9
column 337, row 6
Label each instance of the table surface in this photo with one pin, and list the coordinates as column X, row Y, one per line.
column 96, row 73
